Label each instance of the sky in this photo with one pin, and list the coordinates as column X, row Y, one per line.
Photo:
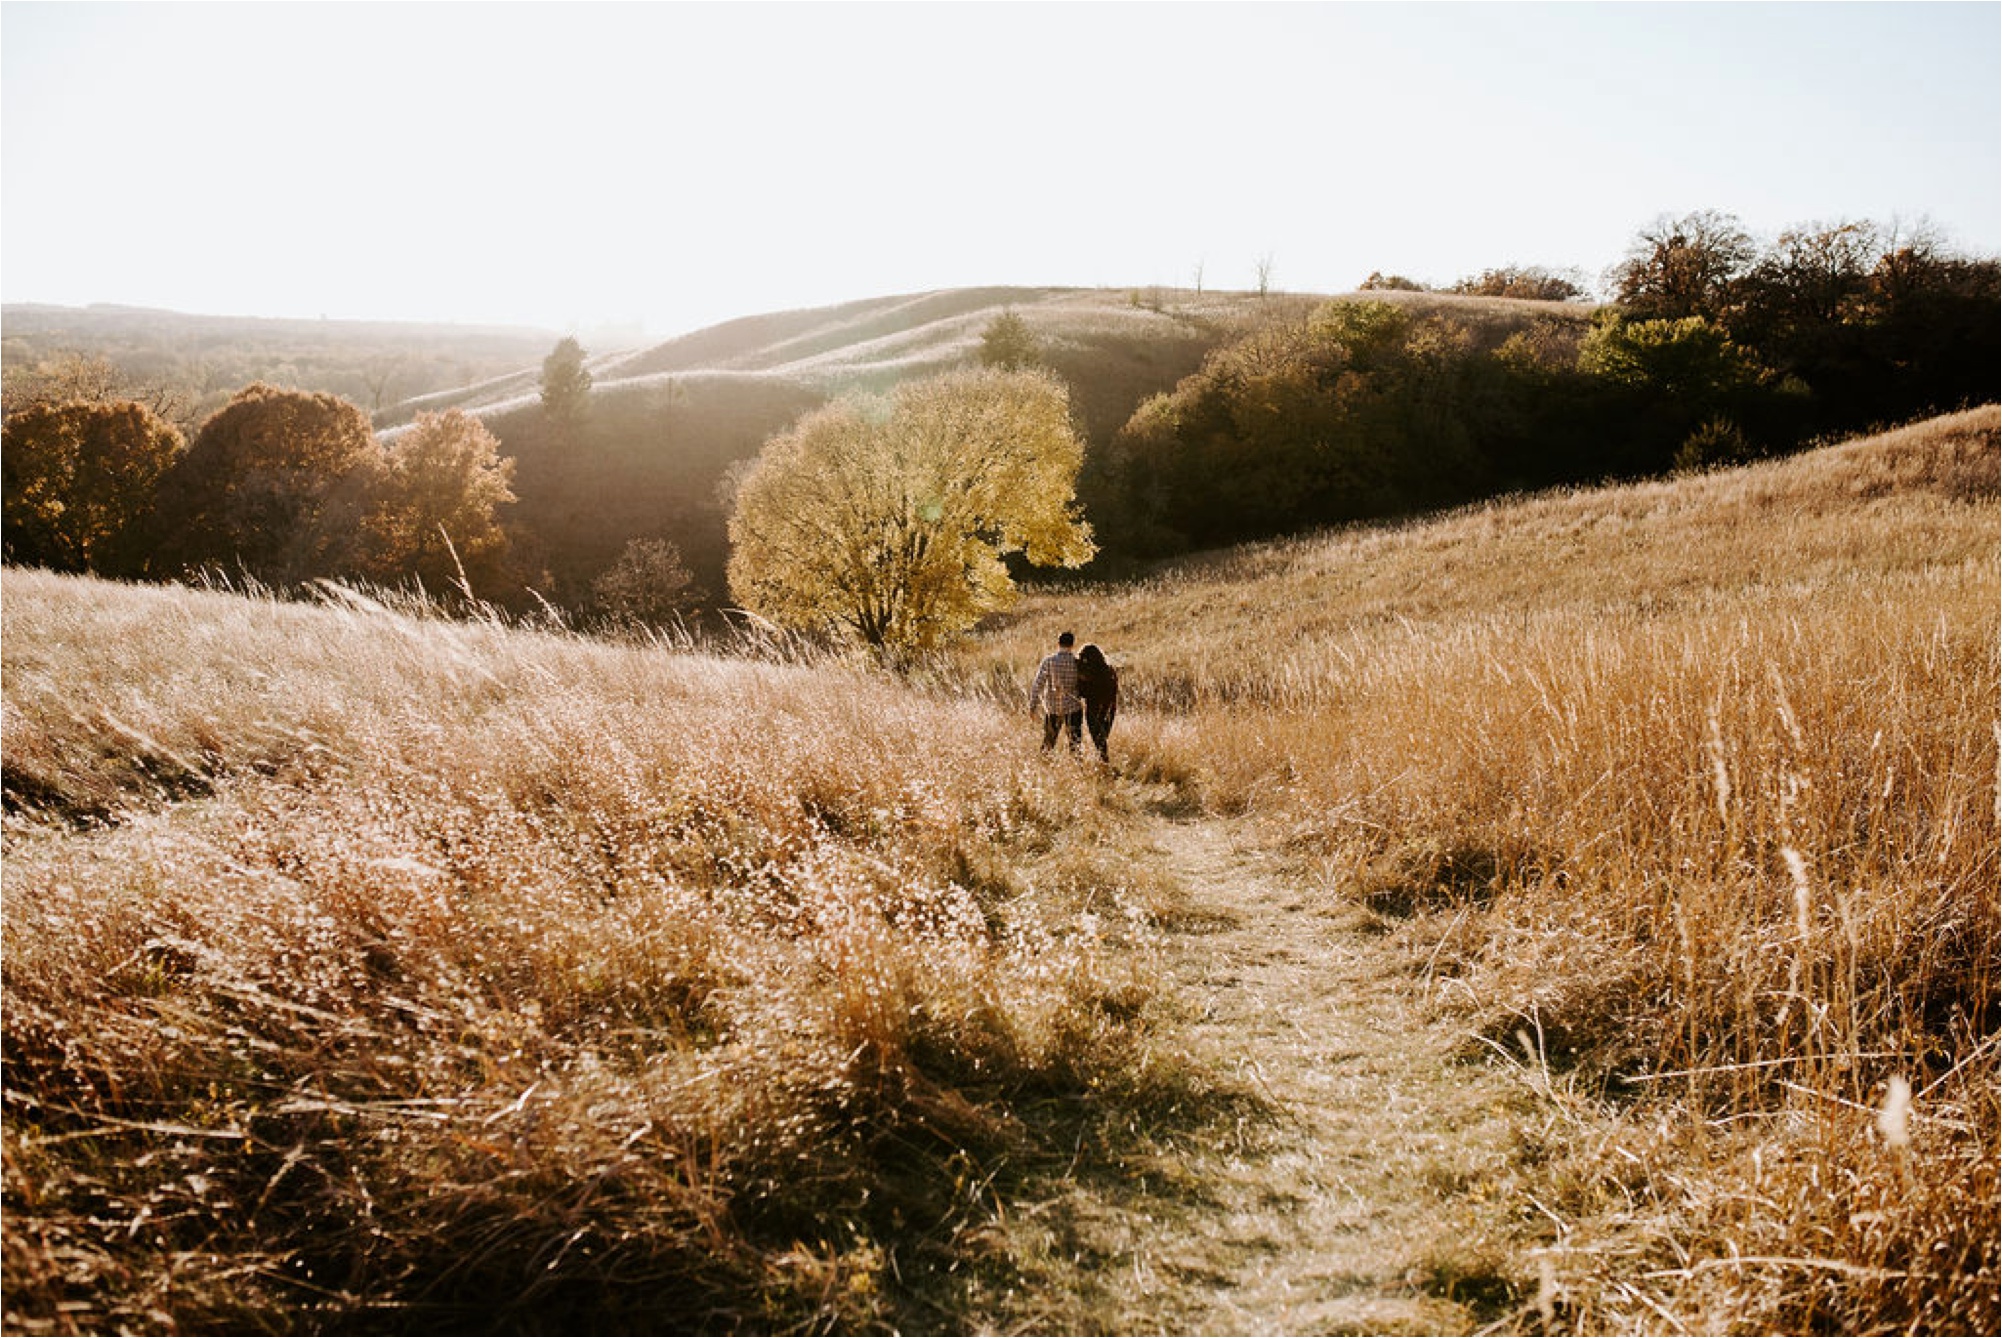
column 661, row 167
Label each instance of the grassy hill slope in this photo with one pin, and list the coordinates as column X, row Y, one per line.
column 366, row 972
column 1683, row 792
column 370, row 971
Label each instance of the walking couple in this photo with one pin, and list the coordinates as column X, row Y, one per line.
column 1073, row 692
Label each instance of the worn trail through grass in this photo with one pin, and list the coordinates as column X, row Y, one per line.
column 1373, row 1192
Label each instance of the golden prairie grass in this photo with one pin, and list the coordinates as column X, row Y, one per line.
column 1688, row 789
column 370, row 972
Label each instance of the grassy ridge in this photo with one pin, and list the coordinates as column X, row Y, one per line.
column 366, row 972
column 1693, row 786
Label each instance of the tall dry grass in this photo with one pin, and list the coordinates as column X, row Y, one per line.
column 1687, row 795
column 372, row 973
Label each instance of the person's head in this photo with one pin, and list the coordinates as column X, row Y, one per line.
column 1065, row 640
column 1092, row 656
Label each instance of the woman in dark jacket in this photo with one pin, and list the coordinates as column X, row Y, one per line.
column 1098, row 687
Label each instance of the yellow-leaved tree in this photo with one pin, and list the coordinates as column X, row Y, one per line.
column 885, row 520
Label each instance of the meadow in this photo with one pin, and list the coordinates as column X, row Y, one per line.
column 1688, row 791
column 371, row 972
column 365, row 971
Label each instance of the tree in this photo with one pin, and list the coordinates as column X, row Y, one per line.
column 1666, row 379
column 646, row 586
column 1361, row 409
column 377, row 373
column 1680, row 267
column 276, row 484
column 78, row 378
column 1685, row 360
column 566, row 384
column 78, row 479
column 1815, row 274
column 1009, row 344
column 886, row 521
column 434, row 503
column 1530, row 282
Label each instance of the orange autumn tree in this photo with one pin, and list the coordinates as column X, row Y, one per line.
column 274, row 485
column 80, row 478
column 435, row 504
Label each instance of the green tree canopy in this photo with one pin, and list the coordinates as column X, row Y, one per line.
column 78, row 479
column 1690, row 360
column 886, row 521
column 1362, row 409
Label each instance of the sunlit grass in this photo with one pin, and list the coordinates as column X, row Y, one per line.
column 365, row 970
column 369, row 970
column 1693, row 784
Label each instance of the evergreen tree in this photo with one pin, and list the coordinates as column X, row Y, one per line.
column 566, row 384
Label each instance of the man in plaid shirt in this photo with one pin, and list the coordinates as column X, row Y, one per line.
column 1055, row 695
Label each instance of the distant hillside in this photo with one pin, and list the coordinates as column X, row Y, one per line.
column 375, row 364
column 875, row 343
column 669, row 421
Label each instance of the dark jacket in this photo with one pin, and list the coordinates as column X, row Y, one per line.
column 1098, row 685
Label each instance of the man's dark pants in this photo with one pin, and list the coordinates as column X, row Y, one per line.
column 1072, row 723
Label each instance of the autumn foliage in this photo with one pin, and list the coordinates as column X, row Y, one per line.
column 273, row 485
column 887, row 521
column 435, row 511
column 79, row 479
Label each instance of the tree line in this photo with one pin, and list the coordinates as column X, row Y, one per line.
column 1713, row 349
column 193, row 364
column 278, row 486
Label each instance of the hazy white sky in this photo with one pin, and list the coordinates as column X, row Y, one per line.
column 680, row 164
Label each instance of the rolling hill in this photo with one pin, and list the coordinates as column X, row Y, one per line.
column 667, row 422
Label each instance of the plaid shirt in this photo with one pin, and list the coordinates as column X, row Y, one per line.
column 1056, row 685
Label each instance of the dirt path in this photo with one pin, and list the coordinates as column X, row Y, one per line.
column 1379, row 1199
